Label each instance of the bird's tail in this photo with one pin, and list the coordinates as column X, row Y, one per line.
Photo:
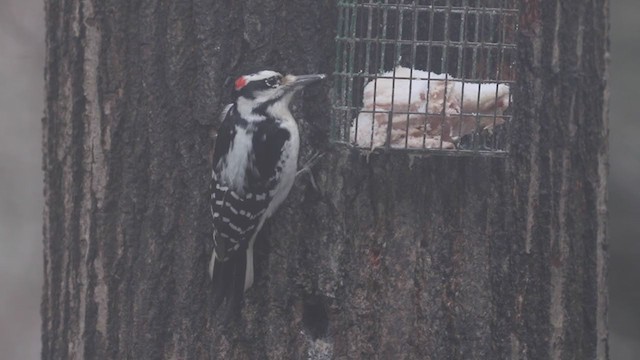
column 228, row 277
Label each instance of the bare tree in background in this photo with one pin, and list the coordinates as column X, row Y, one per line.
column 396, row 255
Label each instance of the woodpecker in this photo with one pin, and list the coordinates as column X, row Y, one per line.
column 254, row 166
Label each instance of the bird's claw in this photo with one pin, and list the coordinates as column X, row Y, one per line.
column 306, row 168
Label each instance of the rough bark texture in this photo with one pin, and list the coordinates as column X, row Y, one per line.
column 398, row 255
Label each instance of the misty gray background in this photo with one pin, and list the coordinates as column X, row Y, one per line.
column 21, row 110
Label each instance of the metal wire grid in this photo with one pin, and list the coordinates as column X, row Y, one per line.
column 469, row 42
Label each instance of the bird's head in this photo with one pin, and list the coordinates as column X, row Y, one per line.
column 258, row 92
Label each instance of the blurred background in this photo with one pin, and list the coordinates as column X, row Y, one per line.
column 21, row 110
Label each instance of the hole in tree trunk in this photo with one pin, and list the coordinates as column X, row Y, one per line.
column 314, row 316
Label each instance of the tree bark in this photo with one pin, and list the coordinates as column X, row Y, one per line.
column 396, row 255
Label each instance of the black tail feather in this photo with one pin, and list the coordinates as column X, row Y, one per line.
column 220, row 282
column 236, row 292
column 228, row 284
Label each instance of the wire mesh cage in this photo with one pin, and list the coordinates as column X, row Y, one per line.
column 425, row 74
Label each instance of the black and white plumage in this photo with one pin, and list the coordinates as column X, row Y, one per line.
column 254, row 167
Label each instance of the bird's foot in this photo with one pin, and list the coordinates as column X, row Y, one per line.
column 306, row 168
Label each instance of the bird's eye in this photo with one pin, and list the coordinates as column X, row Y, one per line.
column 272, row 81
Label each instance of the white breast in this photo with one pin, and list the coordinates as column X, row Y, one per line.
column 234, row 174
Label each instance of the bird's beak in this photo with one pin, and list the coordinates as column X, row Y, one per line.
column 300, row 81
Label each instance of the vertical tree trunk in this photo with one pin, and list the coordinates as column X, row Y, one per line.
column 397, row 255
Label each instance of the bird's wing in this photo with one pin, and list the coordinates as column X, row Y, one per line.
column 236, row 213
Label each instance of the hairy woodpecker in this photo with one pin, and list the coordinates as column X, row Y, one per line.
column 254, row 166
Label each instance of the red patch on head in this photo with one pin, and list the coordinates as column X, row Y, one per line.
column 240, row 83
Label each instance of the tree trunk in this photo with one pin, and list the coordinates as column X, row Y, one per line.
column 396, row 255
